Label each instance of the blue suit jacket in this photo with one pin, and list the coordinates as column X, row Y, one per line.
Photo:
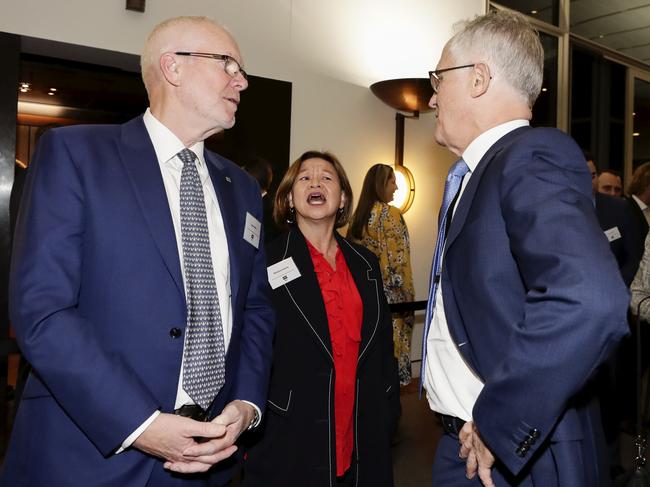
column 534, row 301
column 96, row 289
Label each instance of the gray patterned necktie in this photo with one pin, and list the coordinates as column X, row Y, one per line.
column 204, row 354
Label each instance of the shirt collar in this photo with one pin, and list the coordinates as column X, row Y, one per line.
column 166, row 144
column 481, row 144
column 641, row 204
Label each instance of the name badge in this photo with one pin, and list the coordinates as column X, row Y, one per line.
column 252, row 230
column 613, row 234
column 282, row 273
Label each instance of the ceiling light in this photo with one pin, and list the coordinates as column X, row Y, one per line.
column 24, row 87
column 50, row 93
column 601, row 36
column 635, row 134
column 544, row 89
column 533, row 12
column 52, row 89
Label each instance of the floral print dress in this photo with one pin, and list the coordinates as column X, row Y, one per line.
column 387, row 237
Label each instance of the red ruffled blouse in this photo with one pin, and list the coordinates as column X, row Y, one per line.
column 344, row 315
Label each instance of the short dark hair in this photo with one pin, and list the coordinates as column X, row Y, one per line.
column 281, row 209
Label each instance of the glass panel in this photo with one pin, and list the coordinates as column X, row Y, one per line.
column 544, row 10
column 545, row 109
column 622, row 25
column 598, row 107
column 641, row 128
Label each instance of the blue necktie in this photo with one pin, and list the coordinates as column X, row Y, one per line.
column 452, row 185
column 204, row 353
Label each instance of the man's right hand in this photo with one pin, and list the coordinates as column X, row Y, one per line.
column 168, row 436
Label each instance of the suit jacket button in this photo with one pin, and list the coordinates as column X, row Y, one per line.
column 175, row 332
column 520, row 452
column 534, row 432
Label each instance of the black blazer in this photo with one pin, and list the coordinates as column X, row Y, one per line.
column 295, row 444
column 640, row 222
column 615, row 214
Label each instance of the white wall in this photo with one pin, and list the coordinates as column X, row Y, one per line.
column 331, row 52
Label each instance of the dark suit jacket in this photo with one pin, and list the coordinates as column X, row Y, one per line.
column 534, row 301
column 616, row 218
column 97, row 300
column 640, row 223
column 297, row 446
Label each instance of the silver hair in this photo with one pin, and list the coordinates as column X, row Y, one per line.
column 509, row 45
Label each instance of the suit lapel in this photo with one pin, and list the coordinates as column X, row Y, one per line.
column 465, row 203
column 223, row 187
column 139, row 159
column 368, row 289
column 305, row 293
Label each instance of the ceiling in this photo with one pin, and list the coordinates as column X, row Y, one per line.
column 622, row 25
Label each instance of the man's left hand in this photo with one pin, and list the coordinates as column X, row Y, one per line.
column 236, row 417
column 479, row 458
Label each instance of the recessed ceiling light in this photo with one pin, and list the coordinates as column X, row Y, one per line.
column 52, row 89
column 24, row 87
column 50, row 93
column 24, row 90
column 601, row 36
column 544, row 89
column 635, row 134
column 533, row 12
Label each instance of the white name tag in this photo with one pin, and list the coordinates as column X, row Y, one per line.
column 252, row 230
column 283, row 272
column 612, row 234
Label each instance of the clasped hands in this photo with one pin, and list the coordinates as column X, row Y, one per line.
column 479, row 458
column 190, row 446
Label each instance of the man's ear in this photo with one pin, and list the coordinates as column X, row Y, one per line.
column 170, row 69
column 480, row 79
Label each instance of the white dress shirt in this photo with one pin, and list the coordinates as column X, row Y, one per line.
column 452, row 386
column 167, row 146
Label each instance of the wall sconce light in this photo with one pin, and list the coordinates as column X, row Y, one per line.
column 405, row 95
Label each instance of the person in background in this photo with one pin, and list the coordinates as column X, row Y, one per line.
column 617, row 222
column 609, row 182
column 638, row 198
column 526, row 299
column 262, row 171
column 328, row 419
column 138, row 287
column 380, row 228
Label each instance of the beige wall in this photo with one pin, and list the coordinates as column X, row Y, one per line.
column 331, row 52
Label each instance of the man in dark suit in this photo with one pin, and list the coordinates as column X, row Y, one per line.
column 526, row 299
column 138, row 286
column 617, row 222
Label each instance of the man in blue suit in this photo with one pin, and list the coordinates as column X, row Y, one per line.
column 133, row 241
column 526, row 296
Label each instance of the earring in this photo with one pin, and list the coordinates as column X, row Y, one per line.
column 340, row 211
column 291, row 218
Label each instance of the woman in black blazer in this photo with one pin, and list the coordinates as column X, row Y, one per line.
column 296, row 443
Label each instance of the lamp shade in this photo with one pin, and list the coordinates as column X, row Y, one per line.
column 405, row 94
column 403, row 198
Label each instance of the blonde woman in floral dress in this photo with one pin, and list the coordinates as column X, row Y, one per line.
column 381, row 228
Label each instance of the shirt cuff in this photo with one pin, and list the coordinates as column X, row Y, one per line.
column 258, row 416
column 134, row 436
